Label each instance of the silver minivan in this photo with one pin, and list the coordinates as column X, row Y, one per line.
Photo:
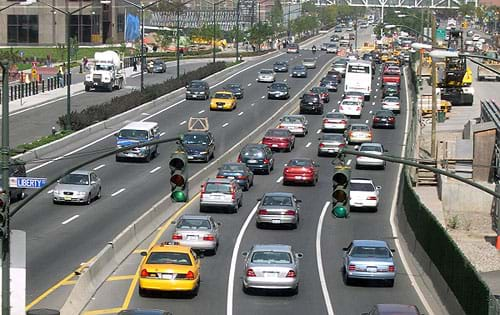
column 220, row 194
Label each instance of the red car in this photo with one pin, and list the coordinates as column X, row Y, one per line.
column 279, row 139
column 391, row 74
column 301, row 171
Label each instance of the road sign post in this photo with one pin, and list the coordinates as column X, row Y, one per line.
column 27, row 182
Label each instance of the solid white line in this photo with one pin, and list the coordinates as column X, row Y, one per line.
column 70, row 219
column 249, row 84
column 371, row 112
column 201, row 111
column 225, row 125
column 319, row 260
column 162, row 133
column 319, row 131
column 50, row 191
column 234, row 258
column 182, row 122
column 308, row 144
column 154, row 169
column 263, row 96
column 349, row 162
column 252, row 104
column 43, row 104
column 241, row 113
column 392, row 221
column 279, row 179
column 99, row 167
column 144, row 114
column 117, row 192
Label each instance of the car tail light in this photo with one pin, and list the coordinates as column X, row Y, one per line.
column 286, row 170
column 220, row 176
column 352, row 267
column 238, row 159
column 350, row 133
column 241, row 177
column 251, row 273
column 391, row 118
column 358, row 108
column 233, row 193
column 189, row 275
column 290, row 212
column 343, row 121
column 321, row 145
column 144, row 273
column 262, row 212
column 391, row 268
column 265, row 139
column 369, row 134
column 376, row 119
column 371, row 198
column 177, row 236
column 341, row 145
column 209, row 237
column 325, row 121
column 202, row 191
column 309, row 171
column 266, row 161
column 291, row 274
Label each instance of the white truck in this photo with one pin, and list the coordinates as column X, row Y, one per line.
column 107, row 72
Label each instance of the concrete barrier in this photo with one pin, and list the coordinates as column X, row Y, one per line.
column 124, row 243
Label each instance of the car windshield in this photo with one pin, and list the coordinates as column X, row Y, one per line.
column 197, row 84
column 308, row 60
column 292, row 120
column 222, row 95
column 371, row 148
column 349, row 103
column 253, row 152
column 278, row 87
column 195, row 139
column 266, row 72
column 301, row 163
column 103, row 67
column 194, row 224
column 232, row 168
column 359, row 128
column 280, row 63
column 277, row 201
column 362, row 187
column 299, row 68
column 368, row 251
column 277, row 133
column 335, row 115
column 271, row 257
column 169, row 258
column 310, row 98
column 158, row 63
column 217, row 187
column 333, row 137
column 75, row 179
column 319, row 90
column 133, row 134
column 383, row 113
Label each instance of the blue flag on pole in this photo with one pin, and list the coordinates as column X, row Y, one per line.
column 132, row 28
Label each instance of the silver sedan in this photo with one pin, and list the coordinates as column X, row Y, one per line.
column 200, row 232
column 372, row 148
column 331, row 143
column 274, row 267
column 78, row 187
column 369, row 260
column 266, row 75
column 278, row 208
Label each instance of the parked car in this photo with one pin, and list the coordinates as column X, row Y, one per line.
column 279, row 139
column 237, row 171
column 372, row 148
column 197, row 89
column 200, row 232
column 384, row 119
column 236, row 89
column 369, row 260
column 79, row 186
column 274, row 267
column 331, row 143
column 364, row 193
column 278, row 90
column 280, row 66
column 221, row 193
column 301, row 171
column 258, row 157
column 311, row 103
column 335, row 121
column 278, row 208
column 358, row 133
column 266, row 75
column 297, row 124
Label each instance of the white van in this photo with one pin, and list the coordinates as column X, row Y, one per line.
column 135, row 133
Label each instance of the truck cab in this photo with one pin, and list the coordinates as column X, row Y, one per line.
column 106, row 73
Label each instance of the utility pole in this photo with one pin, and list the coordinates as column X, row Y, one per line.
column 434, row 87
column 213, row 40
column 177, row 39
column 288, row 23
column 237, row 30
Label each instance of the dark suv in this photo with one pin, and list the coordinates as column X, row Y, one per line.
column 278, row 91
column 311, row 103
column 199, row 145
column 197, row 89
column 258, row 157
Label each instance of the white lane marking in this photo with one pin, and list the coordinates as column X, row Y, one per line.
column 252, row 104
column 162, row 133
column 182, row 122
column 279, row 179
column 308, row 144
column 249, row 84
column 70, row 219
column 319, row 131
column 373, row 104
column 155, row 169
column 144, row 114
column 225, row 125
column 263, row 96
column 371, row 112
column 392, row 221
column 118, row 192
column 241, row 113
column 98, row 167
column 284, row 80
column 234, row 258
column 201, row 111
column 319, row 260
column 349, row 162
column 50, row 191
column 366, row 121
column 375, row 96
column 376, row 90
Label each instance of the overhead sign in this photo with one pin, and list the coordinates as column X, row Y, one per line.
column 440, row 34
column 27, row 182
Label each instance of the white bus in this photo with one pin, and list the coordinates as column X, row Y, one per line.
column 358, row 77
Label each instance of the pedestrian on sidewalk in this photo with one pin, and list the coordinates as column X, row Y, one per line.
column 60, row 74
column 134, row 65
column 85, row 63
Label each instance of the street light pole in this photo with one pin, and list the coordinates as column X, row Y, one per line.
column 213, row 39
column 434, row 96
column 237, row 30
column 288, row 24
column 177, row 39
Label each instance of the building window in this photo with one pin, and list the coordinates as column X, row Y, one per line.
column 22, row 29
column 120, row 23
column 81, row 28
column 96, row 24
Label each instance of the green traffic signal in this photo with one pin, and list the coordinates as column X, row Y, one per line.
column 340, row 195
column 340, row 211
column 178, row 179
column 179, row 196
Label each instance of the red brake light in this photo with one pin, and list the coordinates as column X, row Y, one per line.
column 239, row 159
column 376, row 119
column 220, row 176
column 209, row 237
column 177, row 236
column 144, row 273
column 371, row 198
column 241, row 177
column 341, row 145
column 262, row 211
column 391, row 268
column 321, row 145
column 290, row 212
column 250, row 273
column 358, row 108
column 343, row 121
column 352, row 267
column 291, row 274
column 190, row 275
column 391, row 118
column 341, row 107
column 325, row 120
column 266, row 161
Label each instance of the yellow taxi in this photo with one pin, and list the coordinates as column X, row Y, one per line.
column 384, row 56
column 392, row 61
column 223, row 100
column 169, row 267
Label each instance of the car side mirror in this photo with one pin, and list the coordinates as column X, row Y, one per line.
column 298, row 200
column 344, row 249
column 244, row 254
column 379, row 187
column 259, row 199
column 299, row 255
column 385, row 150
column 393, row 250
column 173, row 222
column 144, row 253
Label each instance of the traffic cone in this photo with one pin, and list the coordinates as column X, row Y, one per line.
column 498, row 242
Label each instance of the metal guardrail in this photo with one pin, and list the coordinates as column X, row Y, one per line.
column 22, row 90
column 490, row 112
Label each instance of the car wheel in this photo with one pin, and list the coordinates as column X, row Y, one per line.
column 246, row 290
column 390, row 283
column 259, row 225
column 118, row 159
column 347, row 280
column 293, row 226
column 99, row 194
column 246, row 187
column 202, row 209
column 143, row 292
column 89, row 199
column 148, row 157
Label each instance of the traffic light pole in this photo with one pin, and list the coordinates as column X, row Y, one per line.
column 5, row 248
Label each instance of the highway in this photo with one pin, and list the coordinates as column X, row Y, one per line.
column 61, row 237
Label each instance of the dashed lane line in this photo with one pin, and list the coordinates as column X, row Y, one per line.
column 118, row 192
column 70, row 219
column 98, row 167
column 155, row 169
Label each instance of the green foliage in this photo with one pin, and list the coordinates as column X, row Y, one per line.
column 304, row 23
column 164, row 38
column 468, row 8
column 231, row 35
column 42, row 141
column 277, row 15
column 74, row 46
column 413, row 20
column 345, row 10
column 206, row 32
column 328, row 15
column 259, row 33
column 123, row 103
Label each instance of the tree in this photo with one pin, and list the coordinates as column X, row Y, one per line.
column 328, row 15
column 467, row 9
column 259, row 33
column 277, row 14
column 232, row 34
column 164, row 38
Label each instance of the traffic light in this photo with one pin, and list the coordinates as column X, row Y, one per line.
column 4, row 213
column 178, row 178
column 340, row 196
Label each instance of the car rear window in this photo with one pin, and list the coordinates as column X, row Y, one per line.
column 333, row 137
column 222, row 95
column 362, row 187
column 310, row 98
column 277, row 133
column 303, row 163
column 253, row 152
column 293, row 120
column 266, row 71
column 367, row 252
column 271, row 257
column 370, row 148
column 217, row 188
column 194, row 224
column 277, row 201
column 232, row 167
column 335, row 115
column 169, row 258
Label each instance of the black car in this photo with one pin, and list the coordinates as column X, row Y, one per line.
column 384, row 119
column 335, row 38
column 236, row 88
column 16, row 169
column 158, row 66
column 278, row 90
column 199, row 145
column 237, row 171
column 197, row 89
column 311, row 103
column 330, row 83
column 299, row 72
column 280, row 66
column 322, row 92
column 335, row 73
column 258, row 157
column 390, row 89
